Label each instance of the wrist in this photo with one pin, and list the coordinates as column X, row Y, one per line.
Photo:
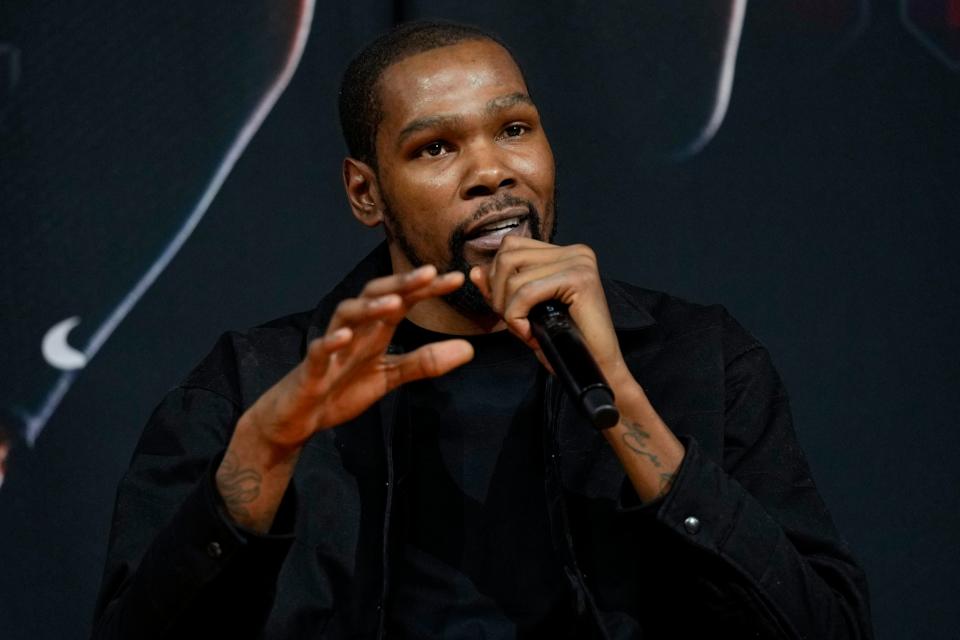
column 255, row 442
column 624, row 386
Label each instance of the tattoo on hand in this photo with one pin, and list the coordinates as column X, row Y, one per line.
column 636, row 440
column 238, row 487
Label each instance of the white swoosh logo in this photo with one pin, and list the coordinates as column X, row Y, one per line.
column 68, row 359
column 57, row 351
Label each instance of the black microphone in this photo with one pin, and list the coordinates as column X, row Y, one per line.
column 563, row 346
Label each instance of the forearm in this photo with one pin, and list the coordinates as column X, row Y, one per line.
column 647, row 449
column 199, row 573
column 254, row 475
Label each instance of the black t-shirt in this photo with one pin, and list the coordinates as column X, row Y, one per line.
column 471, row 546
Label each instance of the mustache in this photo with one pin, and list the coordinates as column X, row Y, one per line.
column 503, row 201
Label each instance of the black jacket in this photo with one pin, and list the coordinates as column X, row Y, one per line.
column 742, row 546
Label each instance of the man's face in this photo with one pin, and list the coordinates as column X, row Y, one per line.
column 462, row 160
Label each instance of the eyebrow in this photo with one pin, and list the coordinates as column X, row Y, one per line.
column 492, row 107
column 427, row 122
column 505, row 102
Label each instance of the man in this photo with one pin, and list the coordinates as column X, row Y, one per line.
column 398, row 463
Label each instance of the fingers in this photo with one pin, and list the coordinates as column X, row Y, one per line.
column 389, row 298
column 429, row 361
column 565, row 281
column 480, row 276
column 441, row 285
column 525, row 272
column 518, row 281
column 509, row 280
column 356, row 311
column 361, row 328
column 520, row 255
column 398, row 282
column 510, row 260
column 320, row 350
column 543, row 360
column 404, row 283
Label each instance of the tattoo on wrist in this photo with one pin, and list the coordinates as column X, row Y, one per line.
column 238, row 486
column 666, row 483
column 636, row 440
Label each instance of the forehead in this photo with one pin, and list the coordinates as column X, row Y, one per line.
column 449, row 80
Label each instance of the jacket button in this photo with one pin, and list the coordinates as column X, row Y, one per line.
column 692, row 524
column 214, row 550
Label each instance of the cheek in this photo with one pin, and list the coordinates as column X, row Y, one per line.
column 538, row 167
column 438, row 191
column 422, row 190
column 425, row 207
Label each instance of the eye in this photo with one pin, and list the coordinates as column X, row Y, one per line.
column 435, row 149
column 514, row 130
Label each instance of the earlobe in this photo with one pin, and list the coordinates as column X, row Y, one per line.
column 363, row 192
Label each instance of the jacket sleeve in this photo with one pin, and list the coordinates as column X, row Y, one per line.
column 774, row 561
column 176, row 565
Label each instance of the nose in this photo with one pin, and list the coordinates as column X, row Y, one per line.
column 488, row 172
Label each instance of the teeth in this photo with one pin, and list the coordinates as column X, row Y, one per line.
column 502, row 224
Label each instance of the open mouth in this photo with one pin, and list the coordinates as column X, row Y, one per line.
column 488, row 237
column 499, row 226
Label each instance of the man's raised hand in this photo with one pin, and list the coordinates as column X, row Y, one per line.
column 343, row 373
column 348, row 369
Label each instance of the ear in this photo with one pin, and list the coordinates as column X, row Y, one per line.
column 363, row 192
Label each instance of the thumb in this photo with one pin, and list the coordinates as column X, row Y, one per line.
column 430, row 361
column 480, row 276
column 543, row 360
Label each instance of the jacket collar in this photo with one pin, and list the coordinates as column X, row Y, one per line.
column 626, row 311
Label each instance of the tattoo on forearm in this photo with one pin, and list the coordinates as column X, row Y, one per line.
column 636, row 440
column 239, row 487
column 666, row 483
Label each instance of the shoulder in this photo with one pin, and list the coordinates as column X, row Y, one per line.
column 672, row 318
column 243, row 364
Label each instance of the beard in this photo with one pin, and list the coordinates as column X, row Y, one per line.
column 468, row 299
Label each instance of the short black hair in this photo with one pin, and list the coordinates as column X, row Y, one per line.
column 359, row 101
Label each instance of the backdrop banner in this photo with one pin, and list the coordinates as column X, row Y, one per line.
column 171, row 170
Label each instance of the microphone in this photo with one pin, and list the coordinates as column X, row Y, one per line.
column 563, row 346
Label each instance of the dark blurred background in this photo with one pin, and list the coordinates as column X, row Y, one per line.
column 798, row 162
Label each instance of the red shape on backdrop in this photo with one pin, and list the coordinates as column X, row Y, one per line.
column 936, row 24
column 953, row 14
